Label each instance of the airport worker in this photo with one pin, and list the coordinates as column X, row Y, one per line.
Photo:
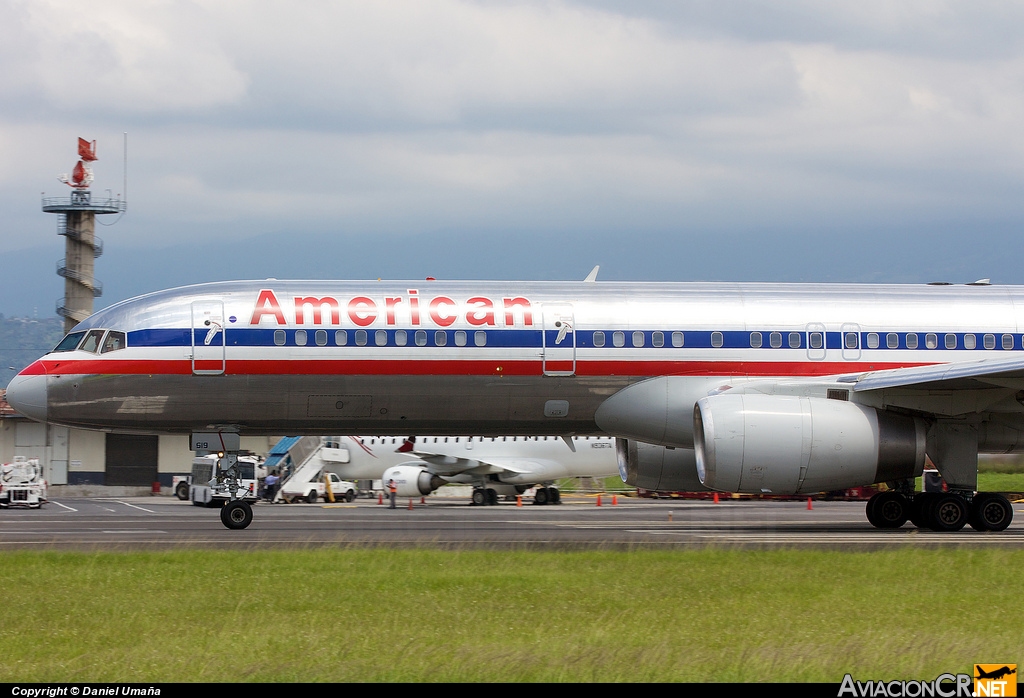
column 270, row 484
column 392, row 493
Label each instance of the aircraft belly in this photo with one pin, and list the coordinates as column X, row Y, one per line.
column 336, row 405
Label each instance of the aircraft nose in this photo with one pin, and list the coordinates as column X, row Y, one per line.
column 27, row 393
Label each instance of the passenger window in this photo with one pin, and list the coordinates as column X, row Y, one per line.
column 480, row 338
column 815, row 340
column 599, row 339
column 380, row 338
column 619, row 338
column 638, row 339
column 280, row 337
column 970, row 341
column 851, row 340
column 341, row 337
column 892, row 340
column 92, row 341
column 421, row 338
column 1007, row 341
column 321, row 338
column 990, row 341
column 931, row 341
column 658, row 339
column 677, row 339
column 872, row 340
column 460, row 338
column 70, row 342
column 755, row 340
column 794, row 340
column 401, row 338
column 113, row 342
column 717, row 340
column 911, row 340
column 775, row 340
column 300, row 338
column 361, row 338
column 440, row 338
column 950, row 340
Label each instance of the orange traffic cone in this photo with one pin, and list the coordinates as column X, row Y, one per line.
column 423, row 500
column 410, row 503
column 519, row 500
column 598, row 500
column 809, row 505
column 380, row 498
column 615, row 500
column 716, row 498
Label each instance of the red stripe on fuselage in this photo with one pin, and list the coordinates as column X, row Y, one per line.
column 405, row 367
column 36, row 368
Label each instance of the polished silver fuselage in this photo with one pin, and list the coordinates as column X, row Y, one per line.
column 493, row 358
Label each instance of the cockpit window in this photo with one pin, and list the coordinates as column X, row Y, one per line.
column 113, row 342
column 69, row 342
column 92, row 341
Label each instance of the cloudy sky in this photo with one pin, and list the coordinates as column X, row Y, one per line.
column 748, row 140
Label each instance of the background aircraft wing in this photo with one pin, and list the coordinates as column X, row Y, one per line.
column 453, row 465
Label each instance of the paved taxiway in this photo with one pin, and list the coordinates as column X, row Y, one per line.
column 164, row 522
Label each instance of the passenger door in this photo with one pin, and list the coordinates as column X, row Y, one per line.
column 208, row 341
column 559, row 339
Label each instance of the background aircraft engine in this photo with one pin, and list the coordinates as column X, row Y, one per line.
column 411, row 480
column 786, row 445
column 656, row 467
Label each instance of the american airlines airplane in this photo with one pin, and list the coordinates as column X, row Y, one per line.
column 763, row 388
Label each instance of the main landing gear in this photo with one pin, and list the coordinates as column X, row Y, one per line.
column 487, row 496
column 547, row 495
column 940, row 511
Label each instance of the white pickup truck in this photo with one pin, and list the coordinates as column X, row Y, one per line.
column 316, row 489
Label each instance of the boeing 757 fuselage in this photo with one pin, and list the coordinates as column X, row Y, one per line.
column 777, row 388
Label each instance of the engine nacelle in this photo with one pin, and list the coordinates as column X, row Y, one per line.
column 657, row 468
column 411, row 480
column 758, row 443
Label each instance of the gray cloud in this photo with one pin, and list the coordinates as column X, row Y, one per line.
column 668, row 124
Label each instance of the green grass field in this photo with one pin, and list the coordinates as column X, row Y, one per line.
column 356, row 614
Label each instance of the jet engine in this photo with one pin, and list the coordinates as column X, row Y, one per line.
column 412, row 480
column 657, row 468
column 758, row 443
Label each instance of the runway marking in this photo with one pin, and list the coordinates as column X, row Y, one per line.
column 134, row 507
column 63, row 505
column 128, row 530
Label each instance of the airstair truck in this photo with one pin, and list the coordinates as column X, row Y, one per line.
column 22, row 483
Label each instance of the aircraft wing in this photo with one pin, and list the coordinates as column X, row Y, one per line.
column 969, row 375
column 453, row 465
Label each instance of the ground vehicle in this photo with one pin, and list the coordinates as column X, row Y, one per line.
column 22, row 483
column 204, row 470
column 315, row 489
column 180, row 486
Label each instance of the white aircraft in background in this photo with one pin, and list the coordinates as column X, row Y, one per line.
column 494, row 465
column 762, row 388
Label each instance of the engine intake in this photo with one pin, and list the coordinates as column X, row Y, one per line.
column 411, row 480
column 788, row 445
column 657, row 468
